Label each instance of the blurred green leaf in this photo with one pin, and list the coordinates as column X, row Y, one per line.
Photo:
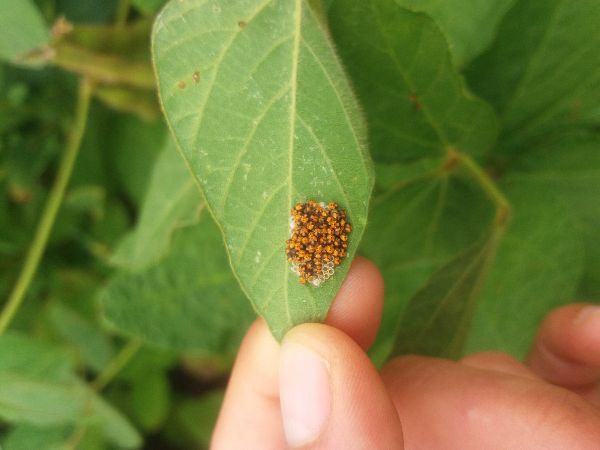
column 115, row 426
column 22, row 30
column 437, row 318
column 469, row 25
column 543, row 71
column 94, row 347
column 134, row 146
column 172, row 200
column 538, row 267
column 38, row 387
column 416, row 225
column 28, row 437
column 86, row 11
column 39, row 402
column 151, row 400
column 34, row 358
column 148, row 6
column 416, row 103
column 190, row 301
column 197, row 417
column 568, row 166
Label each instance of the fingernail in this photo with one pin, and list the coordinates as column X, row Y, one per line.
column 304, row 394
column 589, row 316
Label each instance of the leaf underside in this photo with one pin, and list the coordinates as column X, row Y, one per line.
column 264, row 120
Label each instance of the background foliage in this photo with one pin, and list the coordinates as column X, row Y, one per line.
column 482, row 122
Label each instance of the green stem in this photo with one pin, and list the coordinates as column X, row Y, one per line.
column 40, row 239
column 117, row 364
column 122, row 13
column 503, row 208
column 103, row 68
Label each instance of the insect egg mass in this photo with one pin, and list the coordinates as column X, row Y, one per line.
column 318, row 242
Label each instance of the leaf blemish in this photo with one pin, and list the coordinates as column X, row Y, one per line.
column 196, row 77
column 242, row 23
column 415, row 102
column 181, row 84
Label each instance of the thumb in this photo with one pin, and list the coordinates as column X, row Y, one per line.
column 331, row 394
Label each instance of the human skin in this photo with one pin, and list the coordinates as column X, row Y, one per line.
column 319, row 390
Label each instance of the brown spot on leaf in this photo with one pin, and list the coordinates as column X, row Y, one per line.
column 415, row 102
column 242, row 23
column 196, row 77
column 181, row 84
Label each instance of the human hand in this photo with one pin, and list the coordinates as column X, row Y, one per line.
column 320, row 390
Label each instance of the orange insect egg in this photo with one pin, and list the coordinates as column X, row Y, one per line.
column 318, row 241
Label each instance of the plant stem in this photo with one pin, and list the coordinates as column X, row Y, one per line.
column 42, row 232
column 104, row 68
column 117, row 364
column 503, row 208
column 122, row 13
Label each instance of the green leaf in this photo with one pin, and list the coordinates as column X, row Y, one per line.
column 437, row 318
column 22, row 30
column 33, row 358
column 27, row 437
column 197, row 417
column 568, row 166
column 172, row 200
column 134, row 147
column 190, row 301
column 469, row 25
column 151, row 400
column 39, row 402
column 94, row 347
column 416, row 103
column 543, row 70
column 537, row 268
column 38, row 387
column 418, row 224
column 115, row 426
column 148, row 6
column 263, row 113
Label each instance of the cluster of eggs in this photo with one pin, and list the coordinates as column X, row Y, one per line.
column 318, row 241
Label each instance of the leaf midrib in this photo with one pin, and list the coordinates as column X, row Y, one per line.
column 293, row 100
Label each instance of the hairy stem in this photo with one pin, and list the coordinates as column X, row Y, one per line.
column 57, row 193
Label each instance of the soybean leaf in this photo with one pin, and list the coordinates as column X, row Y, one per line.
column 38, row 387
column 538, row 267
column 437, row 318
column 39, row 402
column 469, row 25
column 148, row 6
column 416, row 227
column 543, row 70
column 134, row 147
column 27, row 437
column 264, row 115
column 568, row 166
column 114, row 424
column 172, row 200
column 33, row 358
column 92, row 345
column 190, row 301
column 197, row 417
column 22, row 30
column 151, row 400
column 416, row 102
